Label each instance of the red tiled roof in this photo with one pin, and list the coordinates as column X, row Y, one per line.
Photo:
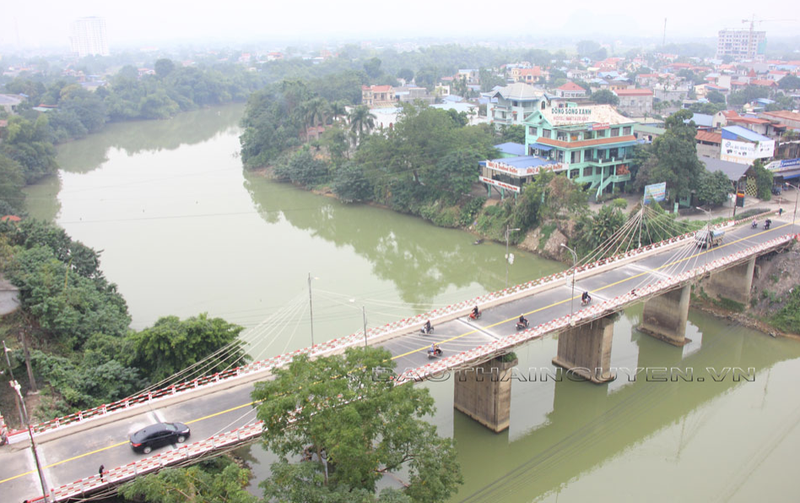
column 10, row 218
column 585, row 143
column 783, row 114
column 633, row 92
column 748, row 120
column 708, row 137
column 534, row 72
column 762, row 82
column 571, row 86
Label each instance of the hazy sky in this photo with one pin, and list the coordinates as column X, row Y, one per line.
column 149, row 22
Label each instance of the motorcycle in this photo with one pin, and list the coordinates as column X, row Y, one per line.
column 767, row 224
column 425, row 331
column 754, row 225
column 434, row 353
column 474, row 316
column 522, row 325
column 586, row 301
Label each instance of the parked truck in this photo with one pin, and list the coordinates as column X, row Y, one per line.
column 706, row 238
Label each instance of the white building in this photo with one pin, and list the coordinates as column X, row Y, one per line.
column 741, row 44
column 88, row 37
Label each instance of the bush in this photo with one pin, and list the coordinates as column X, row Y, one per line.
column 787, row 318
column 447, row 217
column 470, row 210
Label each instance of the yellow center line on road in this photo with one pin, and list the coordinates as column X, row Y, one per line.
column 456, row 337
column 417, row 350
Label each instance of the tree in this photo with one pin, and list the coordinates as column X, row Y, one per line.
column 350, row 183
column 490, row 79
column 361, row 120
column 352, row 427
column 405, row 74
column 303, row 167
column 598, row 229
column 164, row 67
column 28, row 144
column 373, row 68
column 675, row 152
column 172, row 345
column 604, row 97
column 763, row 180
column 514, row 133
column 715, row 97
column 789, row 83
column 210, row 481
column 11, row 183
column 713, row 188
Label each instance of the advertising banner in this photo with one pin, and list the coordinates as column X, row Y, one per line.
column 656, row 192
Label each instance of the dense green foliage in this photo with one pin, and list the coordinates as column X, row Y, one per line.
column 763, row 180
column 210, row 481
column 713, row 188
column 788, row 317
column 353, row 427
column 671, row 158
column 28, row 144
column 604, row 96
column 76, row 325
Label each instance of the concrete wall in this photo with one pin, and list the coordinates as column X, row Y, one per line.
column 484, row 393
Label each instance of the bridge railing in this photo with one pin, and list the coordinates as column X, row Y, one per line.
column 373, row 334
column 584, row 315
column 503, row 345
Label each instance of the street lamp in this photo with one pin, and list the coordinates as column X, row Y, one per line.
column 17, row 387
column 508, row 257
column 13, row 379
column 364, row 313
column 796, row 197
column 311, row 309
column 574, row 266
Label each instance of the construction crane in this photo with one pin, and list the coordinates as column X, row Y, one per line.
column 752, row 47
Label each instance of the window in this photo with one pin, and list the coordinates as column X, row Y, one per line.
column 615, row 132
column 532, row 131
column 601, row 133
column 575, row 157
column 588, row 135
column 546, row 133
column 587, row 171
column 627, row 130
column 587, row 154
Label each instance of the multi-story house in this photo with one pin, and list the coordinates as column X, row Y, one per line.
column 635, row 102
column 511, row 104
column 377, row 96
column 591, row 144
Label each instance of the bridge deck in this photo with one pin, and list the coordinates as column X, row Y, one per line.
column 76, row 453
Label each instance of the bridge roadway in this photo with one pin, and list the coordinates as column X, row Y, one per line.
column 75, row 453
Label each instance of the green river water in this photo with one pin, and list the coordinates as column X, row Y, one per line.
column 185, row 230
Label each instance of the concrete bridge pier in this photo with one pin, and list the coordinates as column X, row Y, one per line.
column 483, row 392
column 665, row 316
column 733, row 283
column 585, row 350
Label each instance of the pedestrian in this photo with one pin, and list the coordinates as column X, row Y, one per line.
column 780, row 211
column 100, row 471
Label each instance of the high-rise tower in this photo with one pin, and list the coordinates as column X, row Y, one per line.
column 88, row 37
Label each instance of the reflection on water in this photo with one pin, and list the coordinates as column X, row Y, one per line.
column 184, row 230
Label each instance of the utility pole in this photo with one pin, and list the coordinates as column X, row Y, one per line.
column 42, row 479
column 364, row 312
column 574, row 266
column 311, row 309
column 508, row 257
column 13, row 380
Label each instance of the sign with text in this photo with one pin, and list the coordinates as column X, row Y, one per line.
column 502, row 185
column 656, row 192
column 778, row 166
column 746, row 152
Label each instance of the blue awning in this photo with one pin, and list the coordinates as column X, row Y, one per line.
column 788, row 174
column 542, row 146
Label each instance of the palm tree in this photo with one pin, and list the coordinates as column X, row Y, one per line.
column 338, row 109
column 315, row 111
column 361, row 120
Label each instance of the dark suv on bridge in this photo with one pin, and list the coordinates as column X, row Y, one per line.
column 159, row 435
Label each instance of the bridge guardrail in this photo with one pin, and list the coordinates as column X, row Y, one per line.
column 248, row 432
column 341, row 343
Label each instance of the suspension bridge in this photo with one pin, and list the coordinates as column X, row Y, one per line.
column 221, row 414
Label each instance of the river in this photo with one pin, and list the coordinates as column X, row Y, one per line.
column 184, row 230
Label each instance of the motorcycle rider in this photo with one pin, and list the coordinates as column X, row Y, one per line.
column 523, row 320
column 767, row 223
column 585, row 297
column 475, row 312
column 754, row 224
column 426, row 328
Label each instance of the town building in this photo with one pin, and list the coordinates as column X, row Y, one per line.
column 9, row 103
column 741, row 44
column 377, row 96
column 591, row 144
column 635, row 102
column 708, row 144
column 571, row 90
column 88, row 37
column 744, row 146
column 511, row 104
